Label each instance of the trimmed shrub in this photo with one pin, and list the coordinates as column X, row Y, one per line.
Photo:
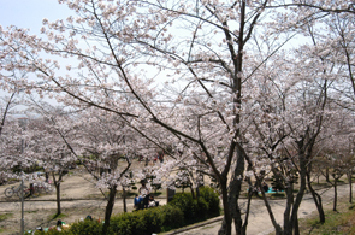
column 184, row 201
column 172, row 217
column 194, row 210
column 147, row 222
column 201, row 209
column 54, row 232
column 144, row 222
column 213, row 201
column 127, row 223
column 86, row 227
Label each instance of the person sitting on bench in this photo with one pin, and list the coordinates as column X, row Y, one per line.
column 144, row 191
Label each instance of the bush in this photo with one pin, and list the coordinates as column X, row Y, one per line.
column 54, row 232
column 144, row 222
column 173, row 217
column 184, row 201
column 152, row 221
column 201, row 209
column 195, row 210
column 212, row 198
column 86, row 227
column 127, row 223
column 147, row 222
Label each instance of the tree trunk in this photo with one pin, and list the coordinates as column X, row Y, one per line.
column 192, row 192
column 271, row 214
column 124, row 200
column 327, row 175
column 287, row 212
column 235, row 189
column 5, row 112
column 109, row 208
column 245, row 225
column 317, row 200
column 295, row 222
column 350, row 188
column 299, row 196
column 335, row 195
column 226, row 228
column 57, row 187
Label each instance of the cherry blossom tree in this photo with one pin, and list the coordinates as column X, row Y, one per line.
column 186, row 70
column 106, row 148
column 49, row 136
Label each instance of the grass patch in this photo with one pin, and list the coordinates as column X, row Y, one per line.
column 278, row 195
column 5, row 216
column 339, row 181
column 340, row 222
column 31, row 211
column 321, row 184
column 56, row 216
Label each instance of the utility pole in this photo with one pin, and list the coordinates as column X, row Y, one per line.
column 197, row 9
column 22, row 222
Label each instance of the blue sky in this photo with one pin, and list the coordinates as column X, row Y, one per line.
column 29, row 13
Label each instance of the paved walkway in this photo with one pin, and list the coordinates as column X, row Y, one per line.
column 259, row 219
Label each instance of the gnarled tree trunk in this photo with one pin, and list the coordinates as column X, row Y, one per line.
column 226, row 227
column 317, row 200
column 109, row 208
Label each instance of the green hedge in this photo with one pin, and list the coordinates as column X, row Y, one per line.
column 143, row 222
column 55, row 232
column 86, row 227
column 153, row 220
column 213, row 201
column 182, row 210
column 196, row 210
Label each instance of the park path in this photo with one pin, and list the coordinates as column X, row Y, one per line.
column 259, row 219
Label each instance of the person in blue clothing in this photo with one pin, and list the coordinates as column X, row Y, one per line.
column 137, row 202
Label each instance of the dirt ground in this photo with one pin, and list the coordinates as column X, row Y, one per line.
column 40, row 213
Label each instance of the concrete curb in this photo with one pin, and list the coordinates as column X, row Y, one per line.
column 198, row 225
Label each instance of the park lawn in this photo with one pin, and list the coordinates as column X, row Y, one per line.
column 340, row 222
